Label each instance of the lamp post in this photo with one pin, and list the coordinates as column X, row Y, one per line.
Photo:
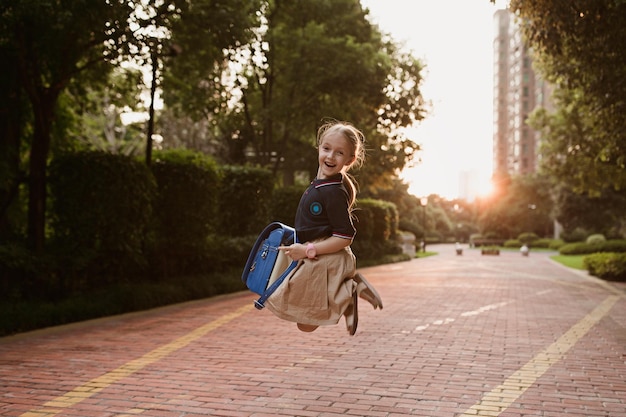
column 424, row 202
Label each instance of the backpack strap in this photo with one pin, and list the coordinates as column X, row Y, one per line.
column 260, row 303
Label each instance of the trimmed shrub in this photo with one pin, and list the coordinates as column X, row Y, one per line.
column 595, row 239
column 100, row 213
column 618, row 245
column 284, row 204
column 377, row 224
column 185, row 211
column 576, row 235
column 231, row 251
column 382, row 222
column 542, row 243
column 25, row 275
column 244, row 199
column 585, row 248
column 556, row 244
column 513, row 243
column 527, row 238
column 578, row 248
column 608, row 266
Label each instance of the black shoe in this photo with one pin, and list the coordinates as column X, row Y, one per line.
column 366, row 291
column 352, row 315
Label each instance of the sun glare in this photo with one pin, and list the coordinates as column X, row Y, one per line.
column 466, row 185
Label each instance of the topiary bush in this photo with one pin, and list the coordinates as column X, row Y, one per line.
column 527, row 238
column 245, row 194
column 382, row 222
column 185, row 212
column 376, row 223
column 284, row 203
column 542, row 243
column 556, row 244
column 100, row 214
column 585, row 248
column 595, row 239
column 608, row 266
column 577, row 235
column 513, row 243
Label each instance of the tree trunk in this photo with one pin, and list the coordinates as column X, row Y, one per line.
column 11, row 121
column 10, row 150
column 37, row 172
column 153, row 86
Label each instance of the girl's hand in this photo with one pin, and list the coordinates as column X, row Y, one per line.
column 296, row 251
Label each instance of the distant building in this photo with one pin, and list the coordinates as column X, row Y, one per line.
column 518, row 90
column 469, row 185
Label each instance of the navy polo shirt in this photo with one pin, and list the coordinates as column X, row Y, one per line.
column 323, row 211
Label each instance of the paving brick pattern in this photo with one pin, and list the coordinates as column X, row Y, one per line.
column 470, row 335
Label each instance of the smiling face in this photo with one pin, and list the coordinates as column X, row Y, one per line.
column 335, row 153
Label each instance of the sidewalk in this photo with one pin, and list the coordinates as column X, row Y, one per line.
column 470, row 335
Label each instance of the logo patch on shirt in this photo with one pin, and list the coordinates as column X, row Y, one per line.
column 315, row 208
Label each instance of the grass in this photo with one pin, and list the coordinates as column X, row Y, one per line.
column 571, row 261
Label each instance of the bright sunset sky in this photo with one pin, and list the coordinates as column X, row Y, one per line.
column 454, row 38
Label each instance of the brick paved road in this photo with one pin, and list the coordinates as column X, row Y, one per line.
column 466, row 335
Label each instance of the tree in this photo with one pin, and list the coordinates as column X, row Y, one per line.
column 593, row 214
column 201, row 38
column 49, row 43
column 92, row 113
column 522, row 205
column 206, row 35
column 579, row 47
column 321, row 59
column 13, row 119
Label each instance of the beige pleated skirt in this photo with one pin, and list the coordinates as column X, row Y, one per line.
column 318, row 291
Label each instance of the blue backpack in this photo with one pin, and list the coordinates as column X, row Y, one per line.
column 267, row 267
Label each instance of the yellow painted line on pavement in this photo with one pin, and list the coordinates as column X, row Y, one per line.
column 96, row 385
column 500, row 398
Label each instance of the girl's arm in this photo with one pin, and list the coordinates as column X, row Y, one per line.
column 331, row 245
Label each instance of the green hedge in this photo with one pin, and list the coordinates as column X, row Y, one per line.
column 581, row 248
column 100, row 214
column 608, row 266
column 376, row 222
column 513, row 243
column 377, row 218
column 284, row 204
column 527, row 238
column 245, row 194
column 533, row 243
column 185, row 212
column 556, row 244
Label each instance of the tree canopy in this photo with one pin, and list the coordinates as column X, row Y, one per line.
column 579, row 47
column 312, row 60
column 47, row 44
column 259, row 75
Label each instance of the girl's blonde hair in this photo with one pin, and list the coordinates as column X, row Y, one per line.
column 357, row 140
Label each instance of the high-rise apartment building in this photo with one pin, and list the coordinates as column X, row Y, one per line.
column 517, row 91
